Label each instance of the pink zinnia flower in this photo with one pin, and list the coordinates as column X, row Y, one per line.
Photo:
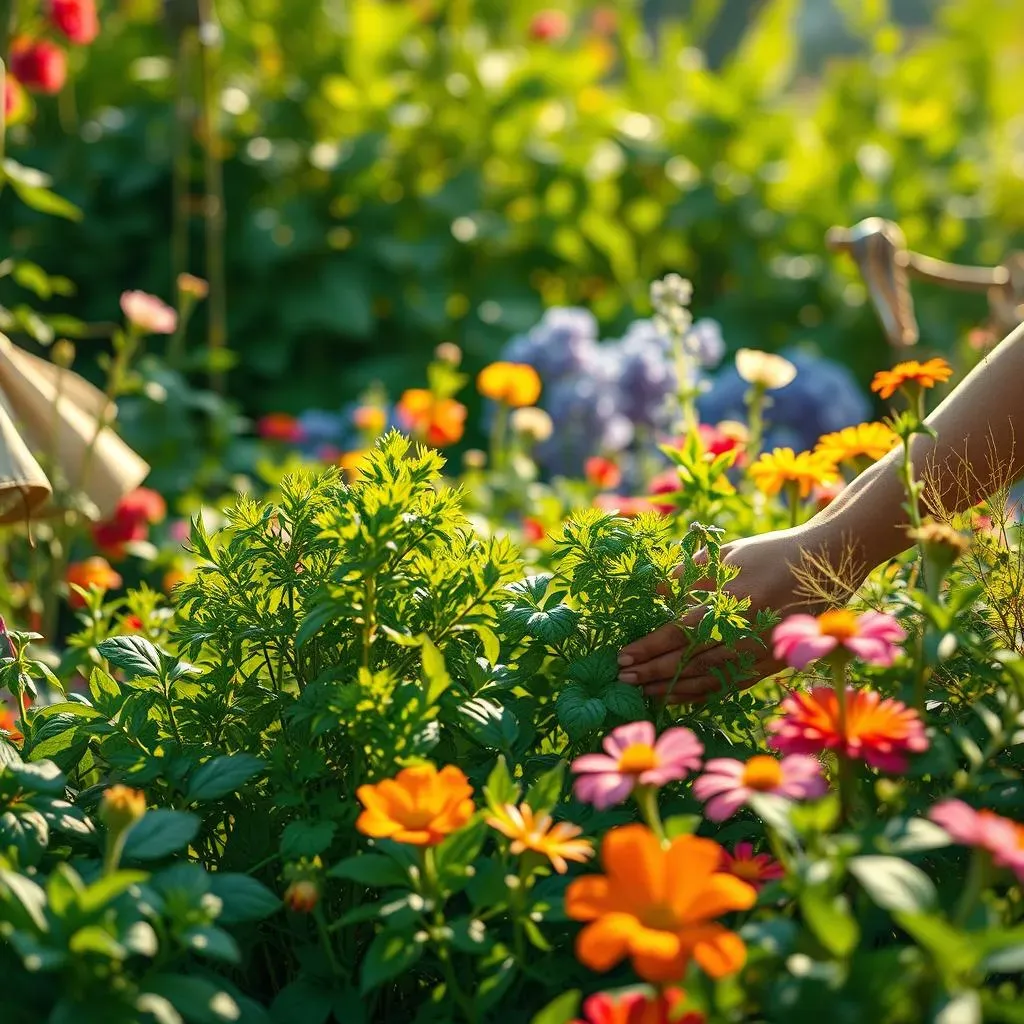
column 1000, row 836
column 875, row 730
column 77, row 19
column 727, row 784
column 633, row 758
column 873, row 637
column 148, row 313
column 754, row 868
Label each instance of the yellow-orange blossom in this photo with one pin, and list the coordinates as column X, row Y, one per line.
column 657, row 906
column 419, row 806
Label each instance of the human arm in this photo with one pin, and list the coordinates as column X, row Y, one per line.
column 973, row 454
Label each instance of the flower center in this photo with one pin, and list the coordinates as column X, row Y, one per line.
column 416, row 817
column 637, row 758
column 840, row 625
column 748, row 870
column 660, row 916
column 762, row 773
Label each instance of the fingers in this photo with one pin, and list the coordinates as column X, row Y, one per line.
column 663, row 640
column 665, row 670
column 685, row 691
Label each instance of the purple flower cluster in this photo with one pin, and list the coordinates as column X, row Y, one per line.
column 605, row 397
column 603, row 394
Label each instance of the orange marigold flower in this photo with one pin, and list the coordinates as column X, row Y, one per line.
column 775, row 470
column 419, row 806
column 515, row 384
column 656, row 905
column 438, row 421
column 558, row 842
column 866, row 440
column 925, row 375
column 93, row 572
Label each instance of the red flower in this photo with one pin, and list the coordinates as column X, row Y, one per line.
column 93, row 572
column 728, row 436
column 755, row 868
column 279, row 426
column 77, row 19
column 637, row 1007
column 549, row 26
column 14, row 99
column 130, row 521
column 664, row 483
column 602, row 473
column 39, row 65
column 533, row 530
column 132, row 623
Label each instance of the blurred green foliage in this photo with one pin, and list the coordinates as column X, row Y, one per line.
column 404, row 172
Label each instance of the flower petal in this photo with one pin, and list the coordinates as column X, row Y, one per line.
column 602, row 944
column 720, row 952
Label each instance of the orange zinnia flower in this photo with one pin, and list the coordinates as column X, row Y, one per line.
column 420, row 806
column 9, row 725
column 515, row 384
column 556, row 842
column 775, row 470
column 925, row 375
column 93, row 572
column 438, row 421
column 656, row 905
column 868, row 440
column 880, row 731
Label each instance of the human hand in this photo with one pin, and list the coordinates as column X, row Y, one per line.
column 769, row 574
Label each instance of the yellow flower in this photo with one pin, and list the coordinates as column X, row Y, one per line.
column 533, row 423
column 420, row 806
column 774, row 470
column 514, row 384
column 353, row 463
column 556, row 842
column 763, row 369
column 121, row 806
column 868, row 440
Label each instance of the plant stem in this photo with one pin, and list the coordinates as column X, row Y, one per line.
column 647, row 800
column 793, row 498
column 213, row 200
column 499, row 436
column 844, row 765
column 977, row 876
column 755, row 400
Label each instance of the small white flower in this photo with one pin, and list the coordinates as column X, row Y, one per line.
column 764, row 369
column 532, row 423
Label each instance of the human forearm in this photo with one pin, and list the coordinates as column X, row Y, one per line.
column 973, row 454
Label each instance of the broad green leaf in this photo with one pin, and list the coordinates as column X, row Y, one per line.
column 198, row 1000
column 38, row 777
column 371, row 869
column 560, row 1010
column 830, row 920
column 435, row 673
column 222, row 775
column 578, row 713
column 546, row 791
column 894, row 884
column 303, row 1000
column 489, row 723
column 597, row 671
column 460, row 849
column 306, row 839
column 213, row 942
column 134, row 655
column 390, row 954
column 103, row 892
column 159, row 834
column 500, row 788
column 625, row 701
column 242, row 898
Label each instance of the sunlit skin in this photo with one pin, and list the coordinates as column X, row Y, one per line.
column 975, row 426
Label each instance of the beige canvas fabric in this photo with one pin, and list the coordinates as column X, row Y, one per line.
column 45, row 408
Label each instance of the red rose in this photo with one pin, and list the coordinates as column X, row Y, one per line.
column 77, row 19
column 39, row 65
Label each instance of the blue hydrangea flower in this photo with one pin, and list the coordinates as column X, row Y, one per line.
column 564, row 342
column 824, row 397
column 320, row 428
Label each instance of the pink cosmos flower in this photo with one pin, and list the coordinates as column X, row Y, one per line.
column 633, row 758
column 875, row 730
column 873, row 637
column 148, row 313
column 754, row 868
column 728, row 784
column 1000, row 836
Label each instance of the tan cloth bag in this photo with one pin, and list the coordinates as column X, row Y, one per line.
column 46, row 408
